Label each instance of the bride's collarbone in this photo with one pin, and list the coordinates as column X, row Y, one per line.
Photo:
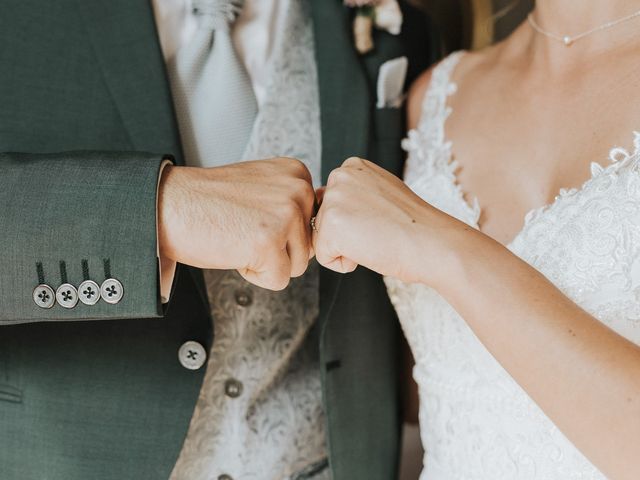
column 510, row 173
column 517, row 146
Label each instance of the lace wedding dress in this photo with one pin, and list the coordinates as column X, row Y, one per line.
column 476, row 421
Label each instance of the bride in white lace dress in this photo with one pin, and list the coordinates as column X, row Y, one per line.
column 524, row 326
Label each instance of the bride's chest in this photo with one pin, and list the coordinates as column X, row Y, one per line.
column 516, row 160
column 586, row 242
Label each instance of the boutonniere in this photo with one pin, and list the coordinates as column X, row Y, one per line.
column 383, row 14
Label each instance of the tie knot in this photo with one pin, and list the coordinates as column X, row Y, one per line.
column 217, row 14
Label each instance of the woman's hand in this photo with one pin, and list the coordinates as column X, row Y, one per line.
column 371, row 218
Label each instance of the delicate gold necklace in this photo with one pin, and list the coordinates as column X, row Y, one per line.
column 569, row 40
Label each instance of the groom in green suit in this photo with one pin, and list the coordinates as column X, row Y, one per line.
column 102, row 341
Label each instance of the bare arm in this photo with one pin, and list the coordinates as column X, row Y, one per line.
column 583, row 375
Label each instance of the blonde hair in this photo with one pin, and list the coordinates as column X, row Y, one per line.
column 464, row 23
column 483, row 22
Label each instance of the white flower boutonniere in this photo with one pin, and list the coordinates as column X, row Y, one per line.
column 383, row 14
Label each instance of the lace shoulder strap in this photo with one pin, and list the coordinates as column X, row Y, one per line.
column 434, row 106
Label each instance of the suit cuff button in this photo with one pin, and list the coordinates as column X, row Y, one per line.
column 44, row 296
column 67, row 295
column 89, row 292
column 111, row 291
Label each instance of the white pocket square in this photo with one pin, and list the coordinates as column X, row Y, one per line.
column 391, row 78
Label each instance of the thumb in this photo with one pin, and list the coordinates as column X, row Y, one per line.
column 320, row 195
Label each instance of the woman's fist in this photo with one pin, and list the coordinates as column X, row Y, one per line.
column 371, row 218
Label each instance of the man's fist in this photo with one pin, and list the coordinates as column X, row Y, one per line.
column 252, row 217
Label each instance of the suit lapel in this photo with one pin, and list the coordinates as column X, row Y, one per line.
column 344, row 92
column 344, row 108
column 123, row 35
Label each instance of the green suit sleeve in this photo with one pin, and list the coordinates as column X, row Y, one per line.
column 65, row 210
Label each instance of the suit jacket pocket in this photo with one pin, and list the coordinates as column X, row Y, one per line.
column 9, row 393
column 312, row 471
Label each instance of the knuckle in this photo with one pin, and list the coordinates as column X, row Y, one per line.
column 353, row 162
column 333, row 225
column 337, row 176
column 297, row 167
column 332, row 217
column 336, row 195
column 304, row 188
column 326, row 229
column 290, row 212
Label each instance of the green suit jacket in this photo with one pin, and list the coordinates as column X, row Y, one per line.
column 97, row 391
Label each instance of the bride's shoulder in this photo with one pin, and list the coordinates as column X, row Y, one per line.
column 465, row 63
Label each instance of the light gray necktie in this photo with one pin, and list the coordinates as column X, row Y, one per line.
column 214, row 100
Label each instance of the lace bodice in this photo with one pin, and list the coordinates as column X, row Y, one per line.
column 476, row 421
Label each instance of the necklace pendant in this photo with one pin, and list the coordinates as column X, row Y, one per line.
column 567, row 40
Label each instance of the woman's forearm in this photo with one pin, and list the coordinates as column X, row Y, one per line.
column 582, row 374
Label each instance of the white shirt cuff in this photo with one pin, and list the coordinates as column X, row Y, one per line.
column 166, row 267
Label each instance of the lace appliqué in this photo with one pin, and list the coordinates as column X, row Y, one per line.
column 590, row 236
column 476, row 421
column 430, row 166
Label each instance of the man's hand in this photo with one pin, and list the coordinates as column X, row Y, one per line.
column 252, row 217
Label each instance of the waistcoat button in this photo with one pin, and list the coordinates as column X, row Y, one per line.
column 244, row 298
column 233, row 388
